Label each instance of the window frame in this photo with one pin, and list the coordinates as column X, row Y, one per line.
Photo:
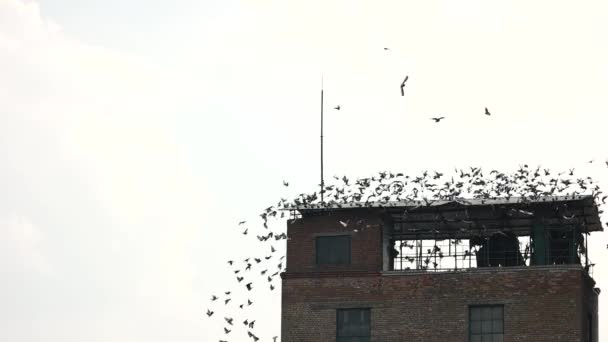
column 349, row 252
column 481, row 306
column 369, row 310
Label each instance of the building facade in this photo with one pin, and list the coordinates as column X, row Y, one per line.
column 482, row 271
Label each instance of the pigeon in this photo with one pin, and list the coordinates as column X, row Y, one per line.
column 403, row 85
column 438, row 119
column 255, row 338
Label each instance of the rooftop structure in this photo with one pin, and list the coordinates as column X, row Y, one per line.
column 380, row 261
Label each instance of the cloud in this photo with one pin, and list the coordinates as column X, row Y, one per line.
column 99, row 203
column 20, row 246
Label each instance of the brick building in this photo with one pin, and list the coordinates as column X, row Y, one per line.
column 475, row 270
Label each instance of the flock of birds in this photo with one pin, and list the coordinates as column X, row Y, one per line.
column 263, row 271
column 402, row 89
column 525, row 183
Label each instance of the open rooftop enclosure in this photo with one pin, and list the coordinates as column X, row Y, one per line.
column 473, row 233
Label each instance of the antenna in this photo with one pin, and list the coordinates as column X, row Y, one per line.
column 322, row 182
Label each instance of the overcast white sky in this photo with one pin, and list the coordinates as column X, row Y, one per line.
column 135, row 134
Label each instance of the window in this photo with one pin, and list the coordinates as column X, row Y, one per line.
column 353, row 325
column 486, row 323
column 333, row 250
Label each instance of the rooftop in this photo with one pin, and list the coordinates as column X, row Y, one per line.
column 462, row 218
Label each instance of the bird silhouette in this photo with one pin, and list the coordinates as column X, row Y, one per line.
column 285, row 183
column 487, row 111
column 228, row 320
column 403, row 86
column 209, row 313
column 438, row 119
column 242, row 222
column 337, row 107
column 226, row 330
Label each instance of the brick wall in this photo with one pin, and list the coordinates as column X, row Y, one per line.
column 366, row 241
column 540, row 303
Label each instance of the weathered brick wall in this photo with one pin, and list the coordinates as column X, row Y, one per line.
column 540, row 303
column 366, row 241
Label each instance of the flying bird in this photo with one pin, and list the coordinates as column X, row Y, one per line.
column 248, row 285
column 403, row 85
column 285, row 183
column 438, row 119
column 487, row 111
column 209, row 313
column 242, row 222
column 386, row 49
column 226, row 331
column 337, row 107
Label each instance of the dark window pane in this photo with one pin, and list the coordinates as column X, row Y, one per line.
column 497, row 312
column 497, row 326
column 333, row 249
column 486, row 323
column 353, row 325
column 486, row 327
column 486, row 313
column 475, row 314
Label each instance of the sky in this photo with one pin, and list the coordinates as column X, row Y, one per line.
column 135, row 135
